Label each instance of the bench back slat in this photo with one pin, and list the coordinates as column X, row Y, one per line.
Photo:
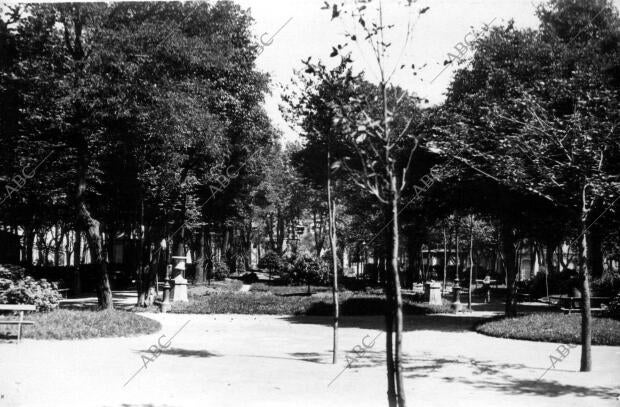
column 17, row 307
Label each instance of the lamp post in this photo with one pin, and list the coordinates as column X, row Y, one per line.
column 165, row 305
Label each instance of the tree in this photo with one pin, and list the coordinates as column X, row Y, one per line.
column 155, row 121
column 547, row 123
column 375, row 123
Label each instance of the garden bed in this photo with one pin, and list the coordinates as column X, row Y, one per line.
column 282, row 300
column 72, row 324
column 552, row 327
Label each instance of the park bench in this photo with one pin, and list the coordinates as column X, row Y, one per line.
column 20, row 322
column 570, row 304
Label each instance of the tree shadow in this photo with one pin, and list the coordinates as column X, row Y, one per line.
column 89, row 302
column 304, row 294
column 181, row 352
column 313, row 357
column 437, row 322
column 515, row 386
column 483, row 375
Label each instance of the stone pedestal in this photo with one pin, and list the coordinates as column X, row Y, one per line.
column 179, row 292
column 434, row 293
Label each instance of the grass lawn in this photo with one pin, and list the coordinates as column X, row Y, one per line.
column 74, row 324
column 287, row 300
column 553, row 327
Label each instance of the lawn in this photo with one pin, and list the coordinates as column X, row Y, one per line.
column 286, row 300
column 553, row 327
column 78, row 324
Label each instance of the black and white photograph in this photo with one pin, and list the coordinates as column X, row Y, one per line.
column 314, row 203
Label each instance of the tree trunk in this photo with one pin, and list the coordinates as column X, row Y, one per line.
column 29, row 241
column 471, row 260
column 389, row 342
column 584, row 264
column 397, row 303
column 140, row 272
column 550, row 246
column 77, row 263
column 445, row 256
column 458, row 257
column 201, row 260
column 508, row 252
column 92, row 229
column 93, row 235
column 332, row 240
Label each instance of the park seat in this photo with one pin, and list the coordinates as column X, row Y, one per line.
column 19, row 322
column 570, row 304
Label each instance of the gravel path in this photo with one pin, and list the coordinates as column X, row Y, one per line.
column 242, row 360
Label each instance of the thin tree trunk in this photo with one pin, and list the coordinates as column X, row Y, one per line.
column 140, row 280
column 389, row 342
column 508, row 252
column 458, row 258
column 200, row 261
column 471, row 259
column 333, row 245
column 77, row 263
column 445, row 256
column 397, row 297
column 586, row 314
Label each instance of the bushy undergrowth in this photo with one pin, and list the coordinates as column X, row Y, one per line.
column 16, row 288
column 553, row 327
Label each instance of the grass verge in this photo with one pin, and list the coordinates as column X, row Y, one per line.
column 552, row 327
column 78, row 324
column 274, row 300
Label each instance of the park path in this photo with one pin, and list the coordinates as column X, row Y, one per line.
column 262, row 360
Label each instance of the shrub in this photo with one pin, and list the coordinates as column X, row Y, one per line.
column 41, row 293
column 220, row 270
column 614, row 307
column 306, row 270
column 249, row 278
column 272, row 262
column 608, row 285
column 11, row 272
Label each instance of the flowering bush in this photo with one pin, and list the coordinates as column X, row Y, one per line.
column 41, row 293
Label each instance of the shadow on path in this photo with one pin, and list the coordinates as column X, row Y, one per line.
column 123, row 300
column 437, row 322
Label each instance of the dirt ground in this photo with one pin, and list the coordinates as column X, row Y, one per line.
column 242, row 360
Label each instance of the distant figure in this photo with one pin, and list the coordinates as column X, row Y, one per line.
column 486, row 283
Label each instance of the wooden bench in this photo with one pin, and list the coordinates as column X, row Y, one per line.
column 570, row 304
column 20, row 322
